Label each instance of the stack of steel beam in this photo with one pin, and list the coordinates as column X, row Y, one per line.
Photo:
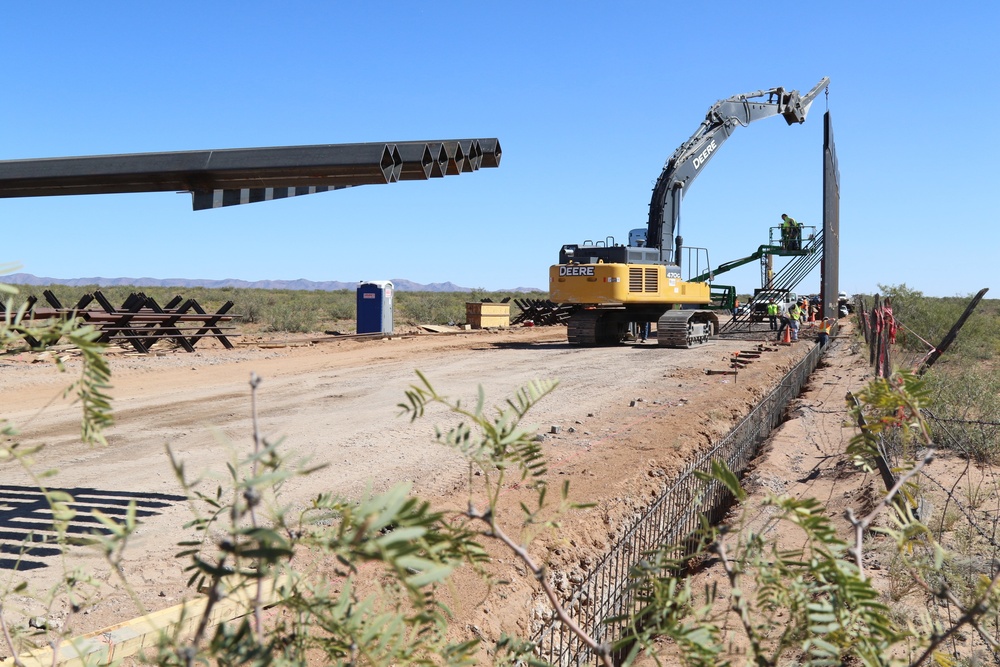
column 228, row 177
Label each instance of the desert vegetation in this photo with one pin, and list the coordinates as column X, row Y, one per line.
column 819, row 595
column 298, row 311
column 964, row 385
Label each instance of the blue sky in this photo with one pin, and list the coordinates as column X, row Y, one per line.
column 588, row 100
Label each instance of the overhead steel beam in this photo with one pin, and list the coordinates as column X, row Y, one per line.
column 233, row 176
column 288, row 166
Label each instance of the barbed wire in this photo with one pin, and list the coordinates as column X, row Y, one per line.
column 963, row 509
column 953, row 420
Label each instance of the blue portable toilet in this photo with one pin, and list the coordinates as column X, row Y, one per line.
column 375, row 307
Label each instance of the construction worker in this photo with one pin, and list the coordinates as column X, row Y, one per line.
column 794, row 316
column 784, row 318
column 791, row 233
column 824, row 331
column 786, row 232
column 772, row 314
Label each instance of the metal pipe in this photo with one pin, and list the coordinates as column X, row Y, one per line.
column 477, row 154
column 491, row 152
column 417, row 161
column 440, row 155
column 456, row 157
column 470, row 157
column 397, row 164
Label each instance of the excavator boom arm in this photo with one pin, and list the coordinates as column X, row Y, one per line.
column 729, row 266
column 690, row 157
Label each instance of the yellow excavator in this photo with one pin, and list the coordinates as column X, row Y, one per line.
column 613, row 286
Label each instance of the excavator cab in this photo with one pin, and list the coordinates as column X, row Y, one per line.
column 637, row 238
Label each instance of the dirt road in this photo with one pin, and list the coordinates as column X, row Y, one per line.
column 627, row 416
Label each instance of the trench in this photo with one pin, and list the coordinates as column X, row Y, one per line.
column 605, row 593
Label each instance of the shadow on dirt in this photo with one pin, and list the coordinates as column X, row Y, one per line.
column 541, row 345
column 563, row 345
column 27, row 534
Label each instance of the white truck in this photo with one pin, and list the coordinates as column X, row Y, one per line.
column 762, row 297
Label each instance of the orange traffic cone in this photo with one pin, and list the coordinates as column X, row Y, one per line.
column 787, row 338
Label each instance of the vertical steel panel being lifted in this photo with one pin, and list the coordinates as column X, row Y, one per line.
column 830, row 269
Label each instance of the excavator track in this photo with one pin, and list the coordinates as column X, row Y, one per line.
column 685, row 328
column 675, row 328
column 591, row 328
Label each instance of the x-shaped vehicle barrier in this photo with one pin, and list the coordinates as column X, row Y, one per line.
column 141, row 321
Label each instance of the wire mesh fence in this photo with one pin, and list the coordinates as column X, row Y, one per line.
column 605, row 594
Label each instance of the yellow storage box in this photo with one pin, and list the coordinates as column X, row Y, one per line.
column 487, row 315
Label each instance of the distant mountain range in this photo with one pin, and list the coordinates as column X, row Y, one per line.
column 400, row 284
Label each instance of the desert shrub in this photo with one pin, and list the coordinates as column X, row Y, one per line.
column 288, row 317
column 966, row 412
column 964, row 384
column 251, row 306
column 341, row 305
column 449, row 307
column 431, row 307
column 930, row 319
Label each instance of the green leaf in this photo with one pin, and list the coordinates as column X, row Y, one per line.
column 722, row 473
column 401, row 535
column 430, row 576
